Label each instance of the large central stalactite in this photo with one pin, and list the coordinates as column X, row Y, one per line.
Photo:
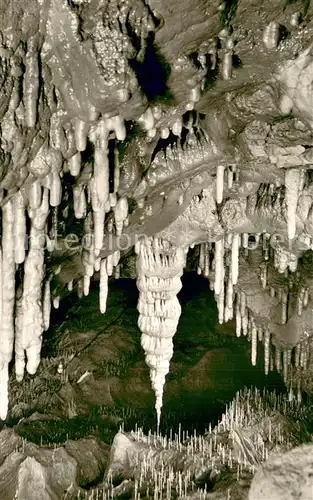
column 210, row 162
column 159, row 268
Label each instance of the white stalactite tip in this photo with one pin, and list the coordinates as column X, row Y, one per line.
column 292, row 181
column 235, row 258
column 99, row 218
column 35, row 194
column 118, row 125
column 19, row 228
column 254, row 344
column 147, row 120
column 74, row 164
column 55, row 190
column 80, row 288
column 219, row 266
column 103, row 286
column 4, row 390
column 86, row 284
column 46, row 305
column 81, row 133
column 80, row 205
column 56, row 302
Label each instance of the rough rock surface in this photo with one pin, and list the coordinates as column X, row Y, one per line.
column 34, row 472
column 285, row 476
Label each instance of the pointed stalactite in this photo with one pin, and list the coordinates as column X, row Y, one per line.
column 29, row 319
column 80, row 205
column 8, row 296
column 254, row 344
column 31, row 81
column 99, row 183
column 219, row 266
column 103, row 286
column 46, row 305
column 238, row 316
column 7, row 303
column 292, row 180
column 120, row 214
column 266, row 351
column 235, row 258
column 159, row 268
column 19, row 229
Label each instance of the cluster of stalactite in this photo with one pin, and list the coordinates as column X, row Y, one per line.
column 219, row 262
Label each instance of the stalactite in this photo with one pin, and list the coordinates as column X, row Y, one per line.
column 109, row 263
column 117, row 272
column 230, row 178
column 80, row 288
column 238, row 317
column 31, row 81
column 235, row 258
column 35, row 194
column 254, row 344
column 120, row 214
column 117, row 124
column 29, row 321
column 292, row 180
column 56, row 302
column 88, row 254
column 80, row 205
column 266, row 351
column 159, row 267
column 46, row 306
column 297, row 355
column 81, row 134
column 19, row 229
column 266, row 246
column 97, row 264
column 56, row 189
column 278, row 359
column 219, row 266
column 74, row 164
column 147, row 119
column 300, row 301
column 103, row 286
column 221, row 306
column 229, row 312
column 7, row 303
column 86, row 282
column 99, row 183
column 284, row 308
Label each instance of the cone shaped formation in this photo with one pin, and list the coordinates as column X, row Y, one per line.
column 159, row 268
